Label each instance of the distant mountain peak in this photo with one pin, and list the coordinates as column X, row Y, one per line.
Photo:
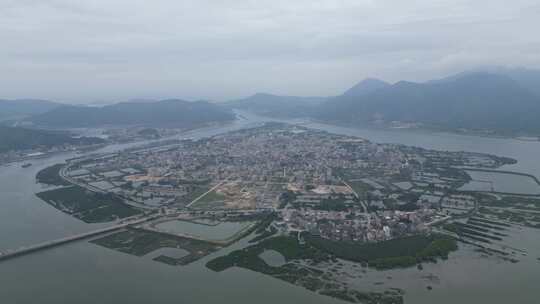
column 403, row 83
column 262, row 94
column 366, row 86
column 479, row 100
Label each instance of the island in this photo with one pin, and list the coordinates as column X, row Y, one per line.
column 298, row 202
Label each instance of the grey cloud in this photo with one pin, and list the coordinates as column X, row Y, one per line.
column 111, row 50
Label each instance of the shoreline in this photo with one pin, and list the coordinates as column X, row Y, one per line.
column 424, row 129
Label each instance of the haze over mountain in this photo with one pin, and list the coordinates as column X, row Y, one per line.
column 366, row 86
column 472, row 100
column 15, row 138
column 173, row 112
column 18, row 108
column 275, row 105
column 527, row 78
column 297, row 106
column 499, row 99
column 102, row 103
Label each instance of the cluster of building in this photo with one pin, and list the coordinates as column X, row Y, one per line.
column 357, row 226
column 336, row 186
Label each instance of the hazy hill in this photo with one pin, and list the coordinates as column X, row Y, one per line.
column 296, row 106
column 14, row 138
column 472, row 100
column 275, row 105
column 527, row 78
column 172, row 112
column 25, row 107
column 366, row 86
column 498, row 99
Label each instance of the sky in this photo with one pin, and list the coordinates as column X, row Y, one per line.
column 106, row 50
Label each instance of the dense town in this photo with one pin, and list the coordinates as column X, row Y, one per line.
column 334, row 186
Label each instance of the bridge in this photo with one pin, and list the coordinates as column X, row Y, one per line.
column 9, row 254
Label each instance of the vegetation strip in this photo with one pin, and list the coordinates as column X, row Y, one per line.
column 396, row 253
column 140, row 242
column 295, row 273
column 90, row 207
column 51, row 176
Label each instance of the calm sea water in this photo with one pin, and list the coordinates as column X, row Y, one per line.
column 85, row 273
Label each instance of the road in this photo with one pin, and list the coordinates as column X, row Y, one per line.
column 204, row 194
column 362, row 202
column 9, row 254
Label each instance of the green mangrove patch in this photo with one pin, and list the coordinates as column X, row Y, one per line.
column 88, row 206
column 324, row 282
column 51, row 176
column 140, row 242
column 396, row 253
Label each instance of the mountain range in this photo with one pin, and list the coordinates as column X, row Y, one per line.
column 495, row 99
column 39, row 114
column 19, row 108
column 171, row 112
column 472, row 101
column 295, row 106
column 16, row 138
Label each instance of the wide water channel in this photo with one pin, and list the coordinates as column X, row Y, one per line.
column 85, row 273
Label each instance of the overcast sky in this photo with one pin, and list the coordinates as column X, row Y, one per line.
column 107, row 50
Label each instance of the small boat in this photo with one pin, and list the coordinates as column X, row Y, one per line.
column 26, row 165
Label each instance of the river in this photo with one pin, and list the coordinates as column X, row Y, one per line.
column 85, row 273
